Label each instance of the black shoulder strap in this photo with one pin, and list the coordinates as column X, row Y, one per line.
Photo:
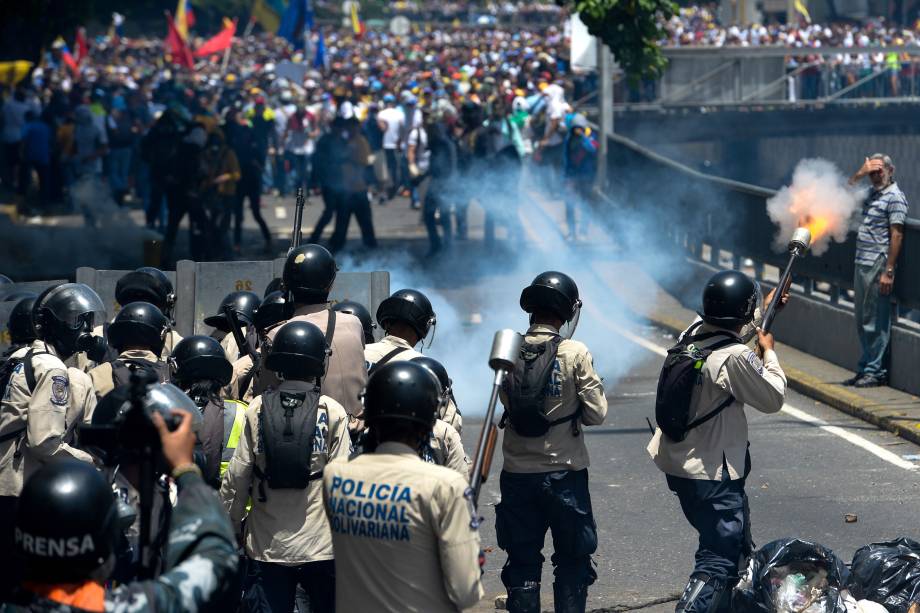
column 330, row 328
column 711, row 414
column 29, row 371
column 386, row 359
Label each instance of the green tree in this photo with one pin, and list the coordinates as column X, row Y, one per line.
column 630, row 28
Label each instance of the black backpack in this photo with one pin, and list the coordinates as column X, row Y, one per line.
column 122, row 369
column 680, row 374
column 525, row 390
column 6, row 373
column 287, row 439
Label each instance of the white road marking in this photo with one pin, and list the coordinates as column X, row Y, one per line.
column 853, row 439
column 280, row 212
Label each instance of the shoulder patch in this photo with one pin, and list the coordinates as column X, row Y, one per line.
column 754, row 361
column 60, row 390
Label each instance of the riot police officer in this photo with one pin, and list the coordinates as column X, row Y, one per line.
column 19, row 325
column 244, row 305
column 272, row 311
column 68, row 525
column 407, row 317
column 290, row 434
column 40, row 407
column 544, row 479
column 360, row 311
column 149, row 284
column 420, row 549
column 708, row 468
column 445, row 447
column 308, row 275
column 201, row 370
column 137, row 334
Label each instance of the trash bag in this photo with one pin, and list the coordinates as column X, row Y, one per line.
column 792, row 576
column 887, row 573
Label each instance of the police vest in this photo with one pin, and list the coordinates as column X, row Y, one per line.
column 234, row 421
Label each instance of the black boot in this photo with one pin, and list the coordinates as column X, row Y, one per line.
column 568, row 598
column 524, row 599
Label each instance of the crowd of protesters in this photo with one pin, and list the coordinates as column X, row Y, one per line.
column 445, row 117
column 814, row 75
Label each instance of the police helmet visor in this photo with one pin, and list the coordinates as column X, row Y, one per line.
column 74, row 305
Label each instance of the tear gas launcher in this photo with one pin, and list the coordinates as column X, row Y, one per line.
column 296, row 236
column 506, row 349
column 798, row 245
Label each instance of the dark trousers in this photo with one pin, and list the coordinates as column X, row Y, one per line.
column 394, row 170
column 719, row 512
column 249, row 187
column 331, row 200
column 25, row 180
column 155, row 203
column 278, row 586
column 533, row 503
column 436, row 214
column 179, row 205
column 10, row 578
column 10, row 163
column 357, row 204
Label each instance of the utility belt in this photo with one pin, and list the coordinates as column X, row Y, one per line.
column 263, row 479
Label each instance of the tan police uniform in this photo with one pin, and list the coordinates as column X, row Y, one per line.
column 375, row 352
column 575, row 385
column 82, row 402
column 290, row 527
column 402, row 533
column 173, row 338
column 103, row 381
column 346, row 374
column 731, row 371
column 242, row 372
column 231, row 349
column 40, row 416
column 446, row 449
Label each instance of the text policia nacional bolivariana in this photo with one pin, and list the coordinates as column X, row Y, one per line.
column 377, row 510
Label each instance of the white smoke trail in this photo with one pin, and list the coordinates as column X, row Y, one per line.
column 818, row 198
column 475, row 293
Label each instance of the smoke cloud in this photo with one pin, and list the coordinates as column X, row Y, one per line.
column 475, row 292
column 820, row 199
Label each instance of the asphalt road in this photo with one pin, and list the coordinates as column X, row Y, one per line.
column 804, row 480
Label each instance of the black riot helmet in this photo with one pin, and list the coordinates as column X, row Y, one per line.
column 244, row 304
column 729, row 299
column 360, row 311
column 402, row 390
column 19, row 324
column 438, row 370
column 64, row 316
column 200, row 358
column 67, row 523
column 275, row 285
column 554, row 292
column 147, row 284
column 309, row 273
column 139, row 324
column 298, row 351
column 409, row 306
column 274, row 309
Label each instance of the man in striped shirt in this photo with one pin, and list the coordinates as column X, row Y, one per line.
column 878, row 244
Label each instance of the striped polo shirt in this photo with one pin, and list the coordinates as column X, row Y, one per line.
column 881, row 210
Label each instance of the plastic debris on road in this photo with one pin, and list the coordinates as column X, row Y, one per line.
column 887, row 573
column 792, row 576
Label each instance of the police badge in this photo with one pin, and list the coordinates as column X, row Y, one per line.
column 60, row 390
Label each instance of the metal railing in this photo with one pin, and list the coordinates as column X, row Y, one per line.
column 728, row 76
